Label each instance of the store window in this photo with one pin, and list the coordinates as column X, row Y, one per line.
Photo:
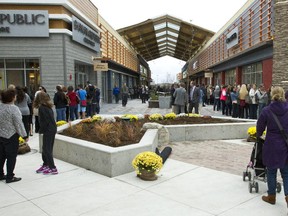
column 253, row 74
column 230, row 77
column 217, row 79
column 20, row 72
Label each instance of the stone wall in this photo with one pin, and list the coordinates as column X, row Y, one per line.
column 280, row 44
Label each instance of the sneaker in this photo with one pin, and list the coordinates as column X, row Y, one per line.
column 52, row 171
column 42, row 169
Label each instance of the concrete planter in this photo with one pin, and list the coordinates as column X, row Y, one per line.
column 112, row 162
column 99, row 158
column 209, row 131
column 153, row 104
column 164, row 102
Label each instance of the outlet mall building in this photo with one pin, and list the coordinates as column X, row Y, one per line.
column 60, row 41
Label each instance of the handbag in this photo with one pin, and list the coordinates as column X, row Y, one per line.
column 83, row 103
column 282, row 131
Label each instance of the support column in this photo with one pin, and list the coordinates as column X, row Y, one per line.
column 280, row 53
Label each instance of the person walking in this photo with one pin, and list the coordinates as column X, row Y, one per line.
column 180, row 96
column 275, row 148
column 11, row 128
column 116, row 92
column 124, row 91
column 48, row 128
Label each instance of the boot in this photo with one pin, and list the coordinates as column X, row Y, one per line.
column 270, row 199
column 286, row 198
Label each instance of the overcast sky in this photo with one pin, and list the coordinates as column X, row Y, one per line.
column 208, row 14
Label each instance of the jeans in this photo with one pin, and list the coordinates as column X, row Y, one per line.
column 73, row 112
column 61, row 114
column 272, row 180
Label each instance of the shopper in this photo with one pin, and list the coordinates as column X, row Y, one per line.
column 60, row 102
column 48, row 128
column 11, row 128
column 275, row 148
column 116, row 92
column 22, row 102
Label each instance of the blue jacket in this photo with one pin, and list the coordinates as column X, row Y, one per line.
column 275, row 149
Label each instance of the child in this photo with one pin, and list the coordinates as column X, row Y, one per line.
column 48, row 128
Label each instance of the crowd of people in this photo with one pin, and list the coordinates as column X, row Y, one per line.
column 20, row 110
column 238, row 101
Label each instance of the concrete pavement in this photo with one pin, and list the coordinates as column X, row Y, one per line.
column 181, row 189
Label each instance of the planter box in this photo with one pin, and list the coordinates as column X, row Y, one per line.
column 112, row 162
column 178, row 133
column 164, row 102
column 99, row 158
column 153, row 104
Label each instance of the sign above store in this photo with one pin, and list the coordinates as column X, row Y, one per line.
column 20, row 23
column 232, row 38
column 100, row 66
column 84, row 35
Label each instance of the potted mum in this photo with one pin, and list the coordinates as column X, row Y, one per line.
column 23, row 146
column 147, row 165
column 252, row 132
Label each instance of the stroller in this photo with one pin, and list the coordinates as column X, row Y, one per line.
column 256, row 170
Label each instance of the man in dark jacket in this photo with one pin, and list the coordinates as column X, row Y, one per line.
column 194, row 98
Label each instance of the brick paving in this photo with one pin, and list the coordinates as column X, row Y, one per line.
column 231, row 157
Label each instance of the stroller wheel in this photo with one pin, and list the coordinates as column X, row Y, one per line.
column 244, row 176
column 256, row 187
column 250, row 187
column 278, row 187
column 249, row 176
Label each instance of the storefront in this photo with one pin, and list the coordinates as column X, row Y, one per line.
column 41, row 48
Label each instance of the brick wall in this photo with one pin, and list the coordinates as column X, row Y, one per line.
column 280, row 44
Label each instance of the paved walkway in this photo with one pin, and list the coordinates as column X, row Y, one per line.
column 201, row 186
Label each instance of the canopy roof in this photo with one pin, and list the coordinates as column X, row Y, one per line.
column 166, row 35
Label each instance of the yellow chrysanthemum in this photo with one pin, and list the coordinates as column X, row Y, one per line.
column 193, row 115
column 155, row 116
column 130, row 116
column 21, row 140
column 170, row 115
column 149, row 161
column 59, row 123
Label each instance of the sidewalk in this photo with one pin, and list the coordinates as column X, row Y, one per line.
column 181, row 189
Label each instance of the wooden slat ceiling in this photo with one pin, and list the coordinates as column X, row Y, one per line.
column 166, row 35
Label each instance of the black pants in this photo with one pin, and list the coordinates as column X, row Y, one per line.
column 124, row 99
column 47, row 149
column 26, row 120
column 195, row 106
column 9, row 152
column 37, row 125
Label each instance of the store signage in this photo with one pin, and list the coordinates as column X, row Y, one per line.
column 232, row 38
column 24, row 23
column 208, row 75
column 100, row 66
column 84, row 35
